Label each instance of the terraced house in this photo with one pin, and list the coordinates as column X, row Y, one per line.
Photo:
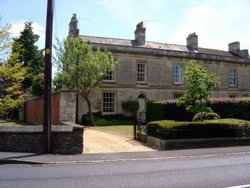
column 154, row 71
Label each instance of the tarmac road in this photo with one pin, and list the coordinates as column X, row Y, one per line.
column 204, row 169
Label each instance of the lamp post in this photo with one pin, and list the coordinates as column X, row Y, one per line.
column 48, row 78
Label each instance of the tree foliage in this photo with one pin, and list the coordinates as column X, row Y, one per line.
column 11, row 92
column 199, row 82
column 4, row 42
column 25, row 51
column 83, row 68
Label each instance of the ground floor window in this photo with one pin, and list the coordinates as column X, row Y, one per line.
column 177, row 95
column 108, row 102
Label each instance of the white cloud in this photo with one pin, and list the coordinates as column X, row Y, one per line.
column 217, row 23
column 18, row 26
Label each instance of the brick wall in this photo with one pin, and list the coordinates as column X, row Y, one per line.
column 33, row 110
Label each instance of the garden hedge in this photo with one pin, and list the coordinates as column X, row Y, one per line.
column 207, row 129
column 238, row 108
column 155, row 110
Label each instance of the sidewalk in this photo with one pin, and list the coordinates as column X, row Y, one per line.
column 31, row 158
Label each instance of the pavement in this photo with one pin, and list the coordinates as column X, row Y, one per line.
column 32, row 158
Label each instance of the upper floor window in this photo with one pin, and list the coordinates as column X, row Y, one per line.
column 141, row 72
column 232, row 77
column 177, row 74
column 110, row 76
column 108, row 102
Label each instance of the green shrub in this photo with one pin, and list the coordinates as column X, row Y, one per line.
column 206, row 129
column 225, row 107
column 155, row 110
column 206, row 116
column 130, row 106
column 85, row 118
column 112, row 119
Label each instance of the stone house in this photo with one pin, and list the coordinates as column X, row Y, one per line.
column 154, row 71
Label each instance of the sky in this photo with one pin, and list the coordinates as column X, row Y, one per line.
column 216, row 22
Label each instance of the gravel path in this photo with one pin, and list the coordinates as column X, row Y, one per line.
column 102, row 142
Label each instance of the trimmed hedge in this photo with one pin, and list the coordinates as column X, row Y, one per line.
column 155, row 110
column 238, row 108
column 207, row 129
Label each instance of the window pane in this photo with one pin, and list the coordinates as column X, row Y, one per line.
column 141, row 72
column 108, row 103
column 177, row 74
column 110, row 76
column 232, row 77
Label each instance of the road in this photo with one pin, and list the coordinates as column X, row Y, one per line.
column 203, row 171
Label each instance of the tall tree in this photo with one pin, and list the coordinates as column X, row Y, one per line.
column 83, row 68
column 27, row 53
column 199, row 83
column 11, row 92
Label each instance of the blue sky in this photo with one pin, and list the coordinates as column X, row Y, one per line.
column 217, row 22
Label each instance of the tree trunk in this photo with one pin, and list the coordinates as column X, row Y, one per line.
column 91, row 117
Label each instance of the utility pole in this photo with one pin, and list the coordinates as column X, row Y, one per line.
column 48, row 78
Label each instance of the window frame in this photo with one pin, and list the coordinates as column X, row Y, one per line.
column 232, row 78
column 110, row 102
column 179, row 94
column 177, row 75
column 141, row 74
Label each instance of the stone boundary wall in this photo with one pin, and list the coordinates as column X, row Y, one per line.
column 33, row 110
column 195, row 143
column 63, row 108
column 65, row 139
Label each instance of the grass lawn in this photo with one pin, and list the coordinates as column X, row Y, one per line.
column 11, row 122
column 122, row 130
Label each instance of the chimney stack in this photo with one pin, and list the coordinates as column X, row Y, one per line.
column 192, row 41
column 234, row 48
column 73, row 27
column 140, row 33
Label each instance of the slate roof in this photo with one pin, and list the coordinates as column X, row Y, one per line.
column 153, row 45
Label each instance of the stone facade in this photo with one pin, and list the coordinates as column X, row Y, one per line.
column 67, row 106
column 153, row 71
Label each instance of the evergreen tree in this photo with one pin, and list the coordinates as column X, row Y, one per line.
column 26, row 52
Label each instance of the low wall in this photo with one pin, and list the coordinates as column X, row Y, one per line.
column 195, row 143
column 65, row 139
